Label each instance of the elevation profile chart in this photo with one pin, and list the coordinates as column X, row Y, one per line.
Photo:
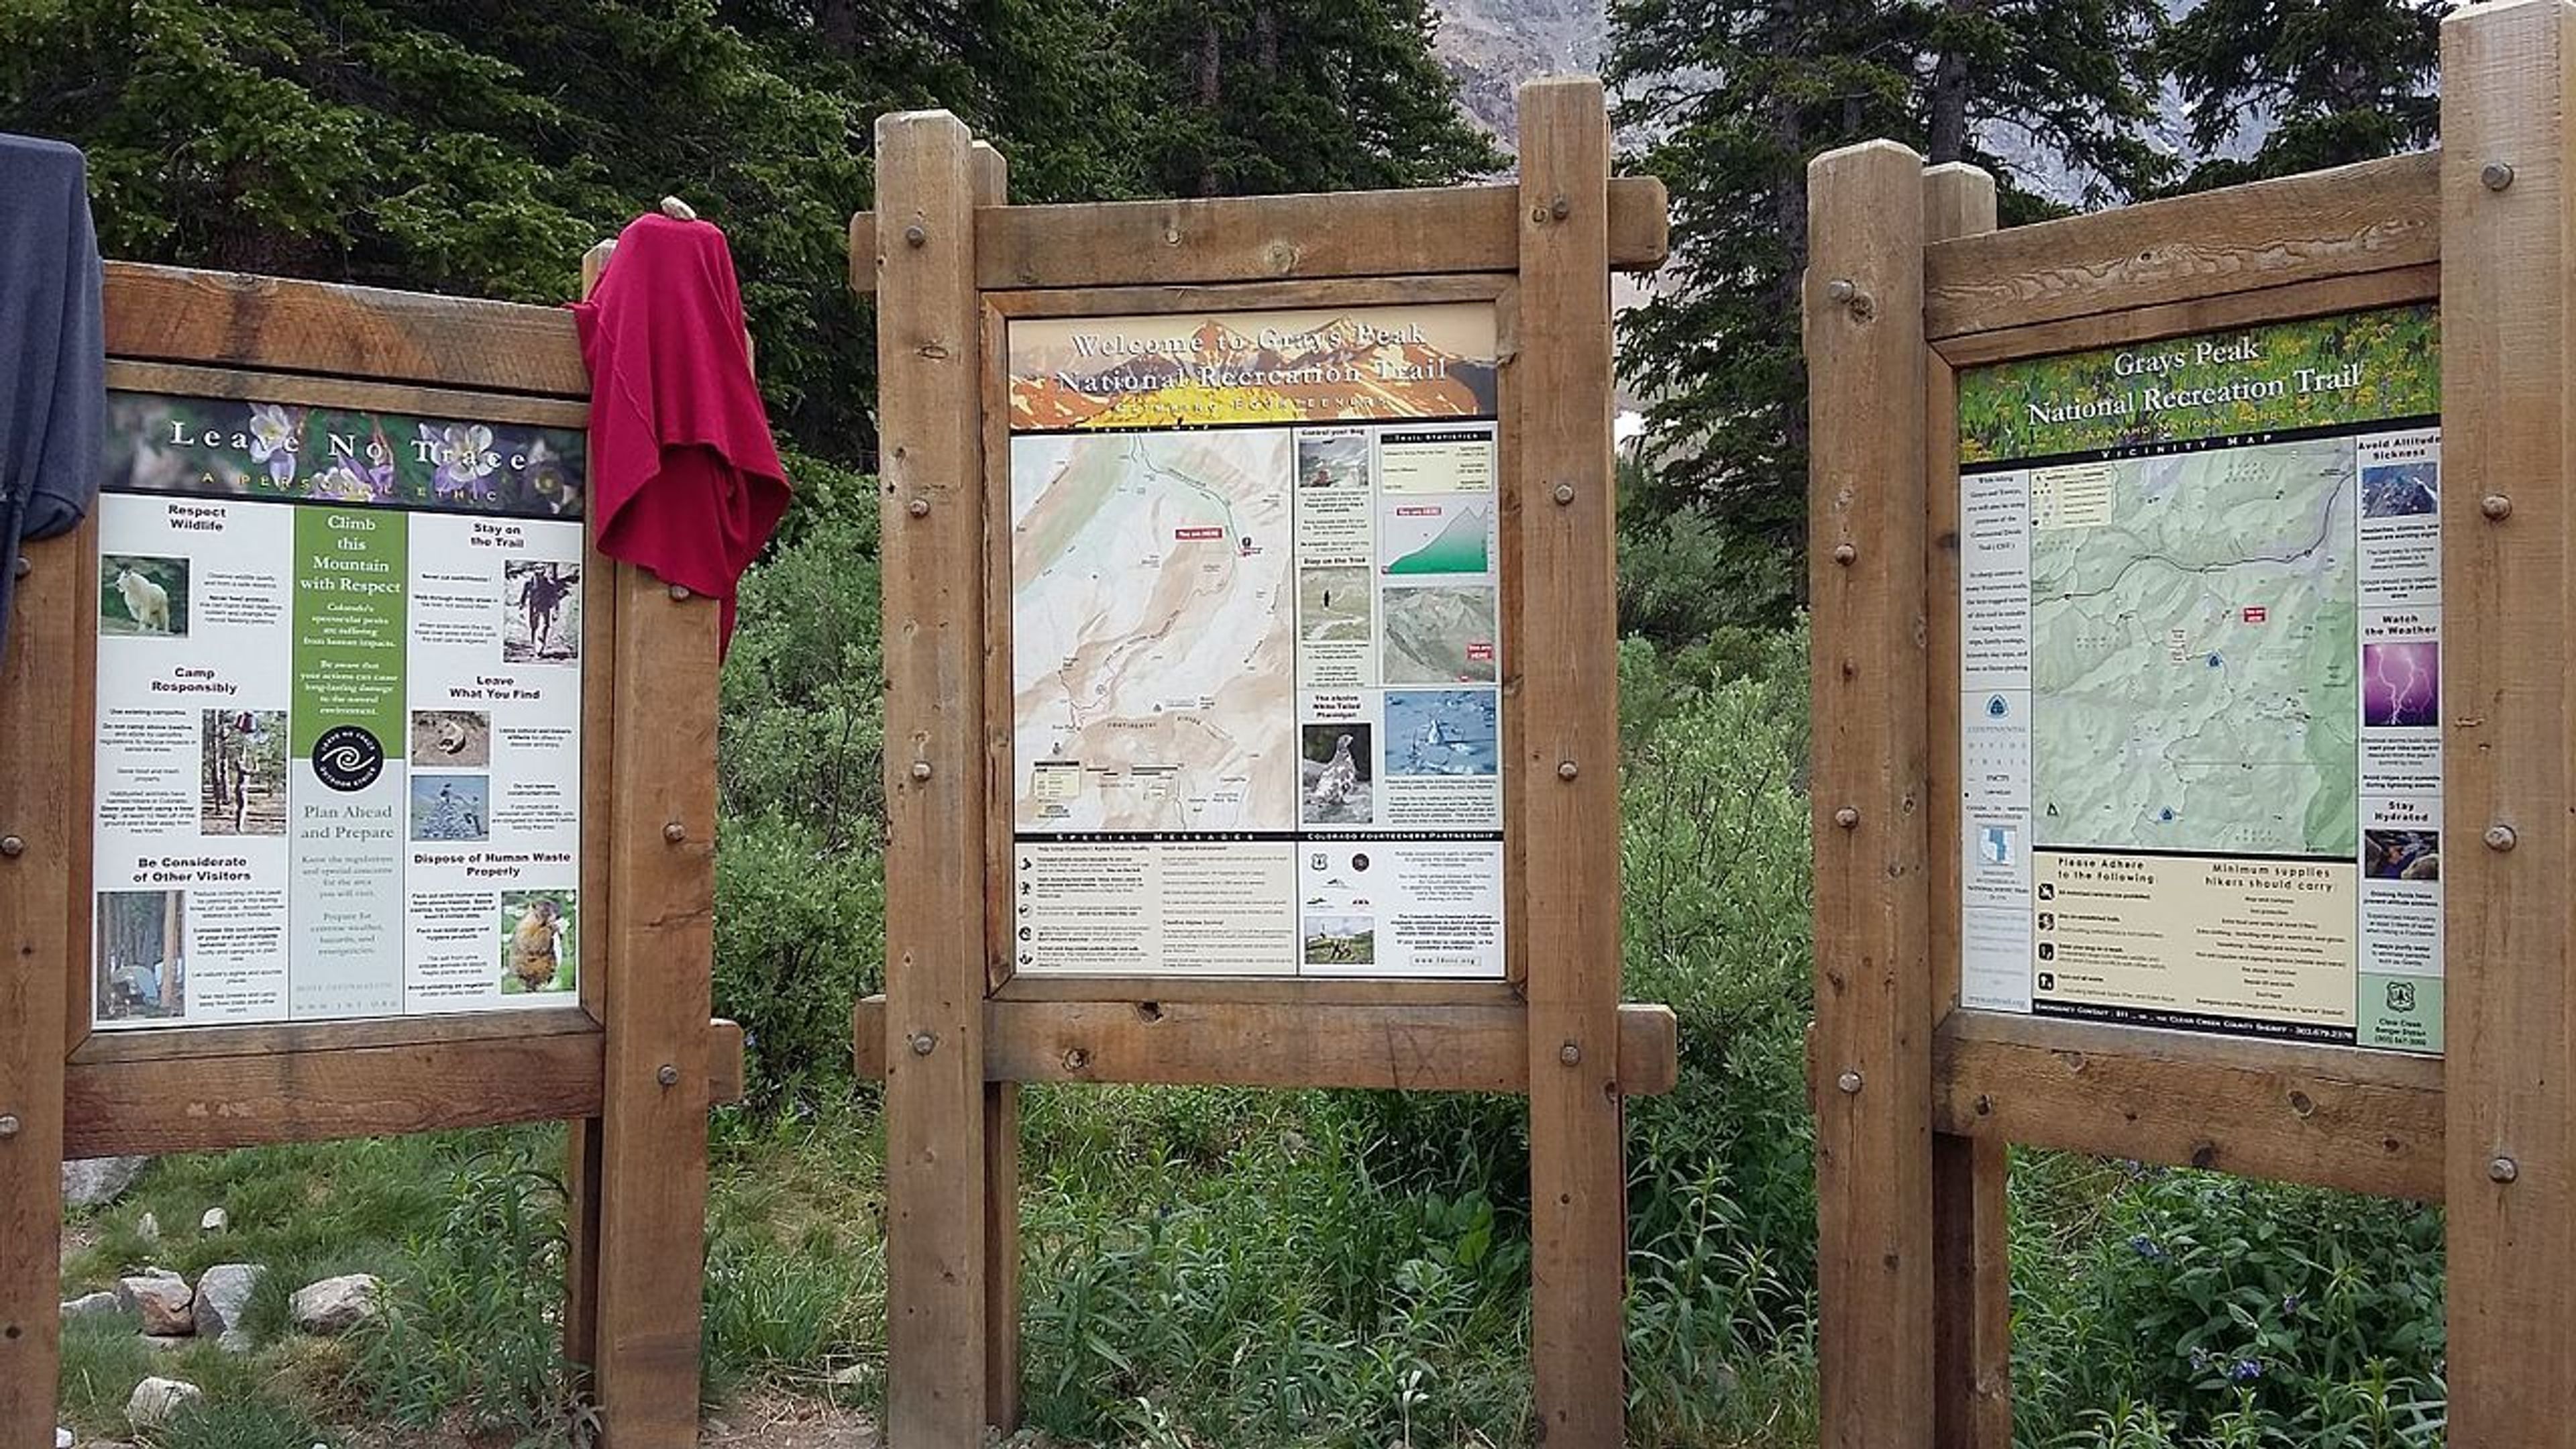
column 2200, row 663
column 1256, row 644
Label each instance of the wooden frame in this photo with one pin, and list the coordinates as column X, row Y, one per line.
column 635, row 1061
column 951, row 264
column 1916, row 1097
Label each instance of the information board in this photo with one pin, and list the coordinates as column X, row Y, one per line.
column 1256, row 650
column 2200, row 638
column 339, row 714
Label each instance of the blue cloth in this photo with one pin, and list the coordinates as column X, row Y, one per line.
column 53, row 349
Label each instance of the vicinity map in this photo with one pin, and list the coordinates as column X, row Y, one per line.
column 2193, row 648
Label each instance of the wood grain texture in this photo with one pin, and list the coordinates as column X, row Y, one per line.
column 582, row 1139
column 1560, row 601
column 444, row 403
column 2508, row 398
column 1971, row 1248
column 1866, row 362
column 1271, row 238
column 2366, row 218
column 320, row 1088
column 2320, row 298
column 1383, row 291
column 2330, row 1116
column 661, row 959
column 1390, row 1048
column 118, row 1048
column 79, row 774
column 992, row 172
column 928, row 331
column 1001, row 785
column 1972, row 1276
column 44, row 805
column 230, row 319
column 1281, row 990
column 208, row 1104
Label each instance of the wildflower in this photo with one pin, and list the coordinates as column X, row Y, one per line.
column 2147, row 1248
column 2245, row 1369
column 464, row 457
column 272, row 441
column 544, row 475
column 2290, row 1303
column 381, row 480
column 340, row 483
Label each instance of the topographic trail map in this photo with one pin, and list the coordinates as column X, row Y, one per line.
column 1153, row 630
column 2200, row 620
column 2193, row 651
column 1232, row 535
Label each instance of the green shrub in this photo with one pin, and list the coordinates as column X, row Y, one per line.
column 800, row 878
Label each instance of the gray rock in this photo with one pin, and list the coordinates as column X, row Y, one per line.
column 125, row 1296
column 215, row 1221
column 62, row 1437
column 148, row 1228
column 157, row 1401
column 222, row 1293
column 99, row 1181
column 94, row 1305
column 166, row 1304
column 336, row 1305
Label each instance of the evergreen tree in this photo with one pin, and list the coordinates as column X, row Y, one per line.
column 1735, row 98
column 1249, row 96
column 2322, row 82
column 474, row 146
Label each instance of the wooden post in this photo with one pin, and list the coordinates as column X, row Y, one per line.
column 50, row 667
column 1564, row 651
column 1865, row 357
column 938, row 1265
column 1972, row 1279
column 1972, row 1264
column 2508, row 368
column 1001, row 1099
column 653, row 1107
column 582, row 1135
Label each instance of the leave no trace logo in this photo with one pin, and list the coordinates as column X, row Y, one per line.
column 348, row 758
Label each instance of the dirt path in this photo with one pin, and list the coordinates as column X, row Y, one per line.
column 772, row 1421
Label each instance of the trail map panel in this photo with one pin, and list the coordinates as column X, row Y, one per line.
column 2200, row 603
column 1255, row 644
column 339, row 715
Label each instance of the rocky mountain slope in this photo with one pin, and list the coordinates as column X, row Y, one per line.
column 1491, row 46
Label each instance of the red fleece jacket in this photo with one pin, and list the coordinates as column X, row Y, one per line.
column 684, row 478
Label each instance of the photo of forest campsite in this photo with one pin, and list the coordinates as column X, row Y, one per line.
column 1229, row 1268
column 142, row 960
column 142, row 595
column 244, row 789
column 540, row 612
column 537, row 942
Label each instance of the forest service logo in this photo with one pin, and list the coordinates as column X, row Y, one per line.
column 348, row 758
